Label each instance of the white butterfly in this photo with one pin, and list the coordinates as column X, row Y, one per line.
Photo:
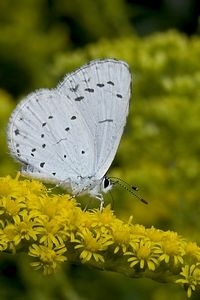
column 69, row 135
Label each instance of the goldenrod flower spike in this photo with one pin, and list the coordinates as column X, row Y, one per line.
column 53, row 229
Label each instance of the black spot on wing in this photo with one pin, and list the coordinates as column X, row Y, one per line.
column 67, row 129
column 110, row 82
column 16, row 131
column 73, row 117
column 100, row 85
column 90, row 90
column 42, row 164
column 79, row 98
column 119, row 95
column 106, row 120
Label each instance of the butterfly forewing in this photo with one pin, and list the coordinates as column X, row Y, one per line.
column 101, row 91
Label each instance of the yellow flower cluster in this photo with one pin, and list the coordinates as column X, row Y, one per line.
column 53, row 229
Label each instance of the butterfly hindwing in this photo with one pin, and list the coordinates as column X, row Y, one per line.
column 47, row 134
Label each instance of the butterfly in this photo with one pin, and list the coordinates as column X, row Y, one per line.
column 69, row 135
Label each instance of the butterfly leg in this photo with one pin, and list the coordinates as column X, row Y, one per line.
column 100, row 198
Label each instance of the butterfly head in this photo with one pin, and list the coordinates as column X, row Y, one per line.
column 106, row 184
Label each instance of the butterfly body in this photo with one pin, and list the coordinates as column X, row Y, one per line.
column 69, row 135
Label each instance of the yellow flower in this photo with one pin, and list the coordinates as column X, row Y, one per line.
column 45, row 225
column 26, row 227
column 6, row 186
column 145, row 253
column 191, row 278
column 155, row 235
column 138, row 230
column 121, row 234
column 8, row 237
column 192, row 250
column 92, row 243
column 51, row 232
column 49, row 257
column 11, row 187
column 11, row 206
column 103, row 218
column 47, row 208
column 173, row 248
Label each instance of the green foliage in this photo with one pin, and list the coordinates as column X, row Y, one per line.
column 94, row 19
column 27, row 44
column 6, row 106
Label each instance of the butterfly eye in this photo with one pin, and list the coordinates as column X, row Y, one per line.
column 106, row 182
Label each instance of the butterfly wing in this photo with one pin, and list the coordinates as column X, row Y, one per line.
column 47, row 133
column 101, row 91
column 74, row 130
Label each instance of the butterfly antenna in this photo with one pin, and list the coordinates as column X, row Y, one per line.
column 128, row 187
